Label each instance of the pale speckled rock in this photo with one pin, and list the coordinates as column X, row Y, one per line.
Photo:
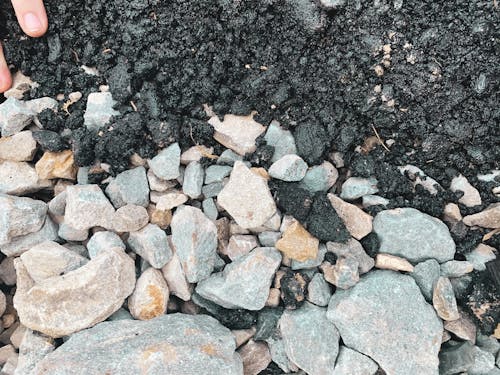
column 483, row 362
column 195, row 153
column 255, row 356
column 210, row 209
column 193, row 180
column 418, row 177
column 320, row 177
column 488, row 218
column 343, row 274
column 351, row 362
column 374, row 200
column 229, row 157
column 239, row 245
column 87, row 207
column 170, row 344
column 426, row 275
column 50, row 259
column 217, row 173
column 38, row 105
column 282, row 141
column 14, row 116
column 3, row 303
column 380, row 315
column 297, row 243
column 311, row 263
column 57, row 206
column 151, row 244
column 246, row 197
column 68, row 233
column 444, row 301
column 464, row 328
column 176, row 279
column 471, row 196
column 243, row 283
column 157, row 184
column 237, row 132
column 278, row 354
column 19, row 147
column 166, row 164
column 18, row 178
column 99, row 110
column 243, row 335
column 194, row 237
column 130, row 218
column 56, row 165
column 212, row 190
column 171, row 200
column 104, row 240
column 357, row 222
column 273, row 224
column 20, row 85
column 352, row 248
column 456, row 268
column 129, row 187
column 411, row 234
column 34, row 347
column 55, row 306
column 481, row 255
column 355, row 187
column 150, row 297
column 311, row 341
column 318, row 290
column 268, row 238
column 288, row 168
column 392, row 262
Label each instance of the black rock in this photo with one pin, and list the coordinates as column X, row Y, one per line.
column 294, row 289
column 267, row 322
column 49, row 140
column 371, row 244
column 50, row 120
column 331, row 257
column 324, row 223
column 312, row 142
column 292, row 199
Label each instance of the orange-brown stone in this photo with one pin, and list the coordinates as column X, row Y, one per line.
column 56, row 165
column 297, row 243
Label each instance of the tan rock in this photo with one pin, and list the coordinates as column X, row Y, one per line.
column 159, row 185
column 452, row 213
column 298, row 244
column 20, row 85
column 357, row 222
column 240, row 245
column 150, row 296
column 489, row 218
column 17, row 336
column 57, row 165
column 471, row 196
column 237, row 132
column 3, row 303
column 19, row 178
column 171, row 200
column 176, row 278
column 8, row 271
column 19, row 147
column 195, row 153
column 344, row 274
column 61, row 305
column 243, row 335
column 496, row 334
column 464, row 328
column 392, row 262
column 352, row 248
column 223, row 233
column 130, row 218
column 255, row 356
column 273, row 300
column 444, row 300
column 6, row 352
column 261, row 172
column 162, row 218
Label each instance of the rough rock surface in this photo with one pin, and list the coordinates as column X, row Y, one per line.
column 151, row 244
column 282, row 141
column 471, row 196
column 380, row 314
column 166, row 164
column 357, row 222
column 356, row 187
column 129, row 187
column 354, row 249
column 288, row 168
column 19, row 147
column 392, row 262
column 34, row 347
column 444, row 300
column 255, row 356
column 426, row 275
column 297, row 243
column 176, row 279
column 489, row 218
column 56, row 165
column 99, row 110
column 18, row 178
column 150, row 297
column 351, row 362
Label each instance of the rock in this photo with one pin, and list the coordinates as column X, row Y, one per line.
column 129, row 187
column 170, row 344
column 488, row 343
column 456, row 359
column 471, row 196
column 69, row 233
column 357, row 222
column 105, row 282
column 237, row 132
column 99, row 110
column 210, row 209
column 7, row 271
column 351, row 362
column 121, row 314
column 391, row 262
column 298, row 244
column 413, row 235
column 166, row 164
column 444, row 300
column 56, row 165
column 269, row 239
column 3, row 303
column 318, row 290
column 19, row 147
column 374, row 200
column 356, row 187
column 195, row 153
column 50, row 259
column 19, row 245
column 452, row 213
column 481, row 255
column 159, row 185
column 352, row 248
column 130, row 218
column 324, row 223
column 57, row 206
column 288, row 168
column 255, row 356
column 194, row 237
column 229, row 157
column 162, row 218
column 311, row 138
column 40, row 104
column 484, row 362
column 14, row 116
column 344, row 274
column 87, row 207
column 282, row 141
column 239, row 245
column 49, row 140
column 489, row 218
column 320, row 177
column 456, row 268
column 418, row 177
column 380, row 315
column 246, row 197
column 243, row 335
column 19, row 178
column 20, row 85
column 217, row 173
column 34, row 347
column 426, row 275
column 171, row 200
column 6, row 352
column 464, row 328
column 150, row 297
column 267, row 321
column 293, row 286
column 102, row 241
column 310, row 263
column 212, row 190
column 193, row 180
column 151, row 244
column 311, row 341
column 243, row 283
column 278, row 354
column 176, row 278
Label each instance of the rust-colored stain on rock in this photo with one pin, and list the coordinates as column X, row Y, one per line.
column 156, row 307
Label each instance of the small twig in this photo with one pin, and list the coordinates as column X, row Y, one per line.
column 488, row 235
column 133, row 105
column 380, row 139
column 77, row 59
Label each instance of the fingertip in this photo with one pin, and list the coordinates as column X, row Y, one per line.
column 5, row 79
column 32, row 17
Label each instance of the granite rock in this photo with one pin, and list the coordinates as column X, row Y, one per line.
column 351, row 362
column 19, row 147
column 176, row 279
column 318, row 290
column 166, row 164
column 471, row 196
column 488, row 218
column 150, row 297
column 391, row 262
column 151, row 244
column 56, row 165
column 14, row 116
column 288, row 168
column 19, row 178
column 320, row 177
column 352, row 248
column 130, row 218
column 129, row 187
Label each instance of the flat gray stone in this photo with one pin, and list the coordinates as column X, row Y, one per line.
column 380, row 315
column 288, row 168
column 193, row 180
column 282, row 141
column 354, row 249
column 456, row 268
column 129, row 187
column 426, row 275
column 243, row 283
column 320, row 177
column 411, row 234
column 195, row 240
column 456, row 359
column 212, row 190
column 318, row 290
column 351, row 362
column 19, row 178
column 99, row 110
column 356, row 187
column 488, row 343
column 166, row 164
column 217, row 173
column 170, row 344
column 210, row 209
column 19, row 147
column 151, row 244
column 374, row 200
column 278, row 354
column 104, row 240
column 311, row 341
column 34, row 347
column 14, row 116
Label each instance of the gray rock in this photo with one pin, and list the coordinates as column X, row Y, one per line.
column 282, row 141
column 456, row 268
column 426, row 275
column 101, row 241
column 217, row 173
column 193, row 180
column 311, row 263
column 151, row 244
column 456, row 359
column 239, row 245
column 121, row 314
column 245, row 282
column 483, row 362
column 166, row 164
column 320, row 177
column 354, row 249
column 481, row 255
column 318, row 290
column 195, row 240
column 460, row 285
column 82, row 176
column 229, row 157
column 267, row 322
column 170, row 344
column 443, row 300
column 212, row 190
column 8, row 271
column 411, row 234
column 288, row 168
column 129, row 187
column 488, row 343
column 333, row 4
column 159, row 185
column 3, row 303
column 351, row 362
column 269, row 239
column 380, row 315
column 18, row 178
column 374, row 200
column 69, row 233
column 311, row 341
column 57, row 205
column 210, row 209
column 278, row 354
column 344, row 274
column 14, row 116
column 34, row 347
column 99, row 110
column 19, row 147
column 40, row 104
column 356, row 187
column 130, row 218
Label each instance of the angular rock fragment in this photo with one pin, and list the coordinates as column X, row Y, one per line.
column 193, row 180
column 34, row 347
column 171, row 200
column 484, row 362
column 320, row 177
column 456, row 359
column 255, row 356
column 288, row 168
column 426, row 275
column 150, row 297
column 351, row 362
column 69, row 233
column 357, row 222
column 471, row 196
column 217, row 173
column 99, row 110
column 391, row 262
column 56, row 165
column 176, row 279
column 343, row 274
column 18, row 178
column 354, row 249
column 282, row 141
column 489, row 218
column 418, row 177
column 101, row 241
column 464, row 328
column 310, row 263
column 130, row 218
column 356, row 187
column 481, row 255
column 151, row 244
column 239, row 245
column 166, row 164
column 318, row 290
column 456, row 268
column 297, row 243
column 129, row 187
column 444, row 300
column 324, row 223
column 14, row 116
column 19, row 147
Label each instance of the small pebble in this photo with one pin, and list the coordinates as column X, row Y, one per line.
column 444, row 300
column 151, row 244
column 288, row 168
column 150, row 297
column 391, row 262
column 356, row 187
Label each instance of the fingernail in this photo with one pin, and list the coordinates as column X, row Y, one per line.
column 32, row 22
